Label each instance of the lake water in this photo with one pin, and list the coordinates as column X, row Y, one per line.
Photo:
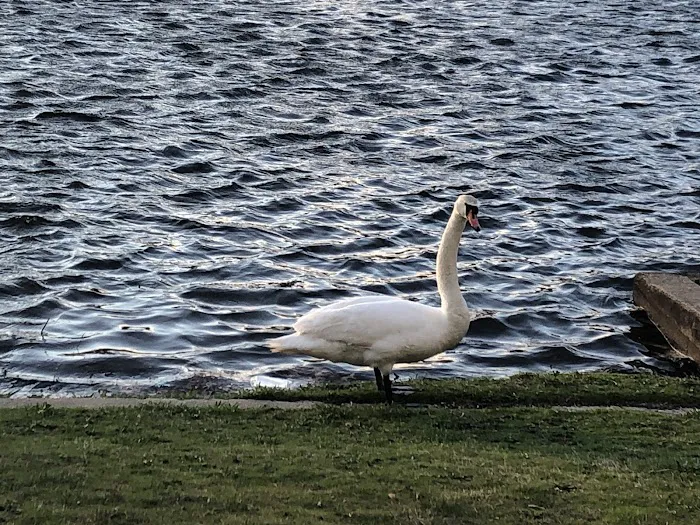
column 181, row 180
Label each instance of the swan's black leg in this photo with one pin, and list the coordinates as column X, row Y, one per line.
column 380, row 381
column 387, row 389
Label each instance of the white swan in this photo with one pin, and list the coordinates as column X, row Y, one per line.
column 380, row 331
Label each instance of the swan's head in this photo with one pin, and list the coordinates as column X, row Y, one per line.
column 467, row 208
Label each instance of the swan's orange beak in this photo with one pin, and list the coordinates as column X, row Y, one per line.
column 473, row 221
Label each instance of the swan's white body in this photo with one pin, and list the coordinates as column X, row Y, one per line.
column 380, row 331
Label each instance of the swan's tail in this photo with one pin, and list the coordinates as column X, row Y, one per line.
column 284, row 345
column 308, row 345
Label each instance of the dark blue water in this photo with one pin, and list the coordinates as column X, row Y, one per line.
column 181, row 180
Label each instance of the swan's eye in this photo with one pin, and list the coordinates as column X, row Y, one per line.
column 473, row 209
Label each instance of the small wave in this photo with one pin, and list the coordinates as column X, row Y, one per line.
column 432, row 159
column 554, row 76
column 175, row 151
column 688, row 134
column 591, row 232
column 33, row 93
column 614, row 282
column 191, row 196
column 502, row 41
column 634, row 105
column 250, row 296
column 69, row 115
column 187, row 46
column 20, row 287
column 309, row 71
column 488, row 328
column 98, row 264
column 301, row 137
column 29, row 207
column 560, row 355
column 584, row 188
column 43, row 310
column 88, row 296
column 466, row 60
column 17, row 106
column 194, row 167
column 242, row 93
column 693, row 225
column 77, row 185
column 35, row 222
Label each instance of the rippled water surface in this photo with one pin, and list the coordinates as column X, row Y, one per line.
column 181, row 180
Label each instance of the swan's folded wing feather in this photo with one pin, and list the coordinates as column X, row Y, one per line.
column 365, row 323
column 362, row 299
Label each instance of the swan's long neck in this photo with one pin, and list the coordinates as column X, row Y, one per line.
column 448, row 284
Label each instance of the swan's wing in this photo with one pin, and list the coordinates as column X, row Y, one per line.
column 363, row 324
column 352, row 301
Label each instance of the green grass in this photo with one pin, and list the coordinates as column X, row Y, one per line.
column 364, row 463
column 523, row 389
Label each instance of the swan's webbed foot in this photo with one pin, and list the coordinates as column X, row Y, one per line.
column 380, row 381
column 387, row 389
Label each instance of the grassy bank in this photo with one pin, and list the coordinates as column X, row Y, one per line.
column 350, row 464
column 599, row 389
